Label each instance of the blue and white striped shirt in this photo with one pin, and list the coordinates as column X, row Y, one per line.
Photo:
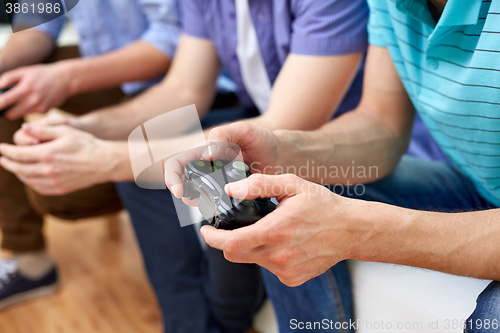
column 451, row 71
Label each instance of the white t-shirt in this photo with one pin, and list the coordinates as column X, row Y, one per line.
column 253, row 70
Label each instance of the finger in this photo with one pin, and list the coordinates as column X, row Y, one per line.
column 17, row 111
column 174, row 169
column 10, row 98
column 36, row 176
column 26, row 154
column 230, row 133
column 214, row 150
column 176, row 190
column 266, row 186
column 246, row 257
column 44, row 185
column 193, row 202
column 235, row 241
column 46, row 133
column 10, row 78
column 55, row 119
column 222, row 151
column 32, row 170
column 22, row 138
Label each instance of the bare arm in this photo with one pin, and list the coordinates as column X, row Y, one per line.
column 25, row 48
column 38, row 88
column 191, row 80
column 377, row 133
column 299, row 241
column 135, row 62
column 308, row 90
column 458, row 243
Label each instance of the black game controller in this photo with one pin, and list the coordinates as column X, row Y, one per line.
column 206, row 180
column 2, row 112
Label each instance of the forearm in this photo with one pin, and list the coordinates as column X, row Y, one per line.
column 356, row 141
column 116, row 123
column 25, row 48
column 136, row 62
column 303, row 97
column 191, row 80
column 458, row 243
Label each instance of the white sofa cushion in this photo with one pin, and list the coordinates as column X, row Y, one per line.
column 419, row 300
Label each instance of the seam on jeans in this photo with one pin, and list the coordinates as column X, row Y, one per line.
column 339, row 308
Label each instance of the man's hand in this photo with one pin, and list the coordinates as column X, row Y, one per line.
column 297, row 241
column 68, row 160
column 23, row 137
column 260, row 147
column 35, row 89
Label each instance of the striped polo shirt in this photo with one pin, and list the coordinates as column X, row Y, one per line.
column 451, row 71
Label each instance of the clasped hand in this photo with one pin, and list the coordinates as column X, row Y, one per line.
column 55, row 158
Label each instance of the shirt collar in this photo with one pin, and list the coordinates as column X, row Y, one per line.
column 460, row 12
column 456, row 12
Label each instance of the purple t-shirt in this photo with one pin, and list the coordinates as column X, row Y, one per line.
column 304, row 27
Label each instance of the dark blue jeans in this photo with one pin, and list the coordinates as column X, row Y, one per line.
column 326, row 297
column 197, row 289
column 415, row 184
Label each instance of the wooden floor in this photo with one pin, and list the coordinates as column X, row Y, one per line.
column 103, row 285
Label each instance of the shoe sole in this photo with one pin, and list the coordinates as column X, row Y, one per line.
column 29, row 295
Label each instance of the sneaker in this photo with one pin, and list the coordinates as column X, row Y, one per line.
column 16, row 288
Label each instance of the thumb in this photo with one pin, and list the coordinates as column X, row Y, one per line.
column 233, row 133
column 45, row 133
column 266, row 186
column 56, row 119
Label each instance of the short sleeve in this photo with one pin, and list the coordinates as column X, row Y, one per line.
column 329, row 27
column 193, row 19
column 376, row 22
column 164, row 25
column 53, row 28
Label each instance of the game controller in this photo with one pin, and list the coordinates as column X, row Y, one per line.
column 2, row 112
column 206, row 180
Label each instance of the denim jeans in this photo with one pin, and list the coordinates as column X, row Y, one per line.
column 436, row 186
column 486, row 316
column 326, row 297
column 197, row 289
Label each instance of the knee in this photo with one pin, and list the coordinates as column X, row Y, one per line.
column 490, row 297
column 486, row 316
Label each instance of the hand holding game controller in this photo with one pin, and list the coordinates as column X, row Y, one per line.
column 205, row 179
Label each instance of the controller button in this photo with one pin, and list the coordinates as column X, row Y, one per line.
column 240, row 167
column 248, row 203
column 218, row 163
column 213, row 168
column 200, row 163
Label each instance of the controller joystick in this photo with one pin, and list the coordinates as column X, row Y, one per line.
column 206, row 180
